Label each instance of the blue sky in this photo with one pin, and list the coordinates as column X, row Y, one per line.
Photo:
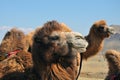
column 79, row 15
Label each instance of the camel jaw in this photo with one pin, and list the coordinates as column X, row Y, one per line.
column 76, row 41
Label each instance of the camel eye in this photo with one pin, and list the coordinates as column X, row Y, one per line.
column 79, row 37
column 101, row 28
column 37, row 40
column 54, row 38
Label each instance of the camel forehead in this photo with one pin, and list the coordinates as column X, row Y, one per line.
column 55, row 33
column 58, row 33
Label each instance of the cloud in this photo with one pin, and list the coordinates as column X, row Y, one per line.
column 26, row 30
column 7, row 28
column 4, row 28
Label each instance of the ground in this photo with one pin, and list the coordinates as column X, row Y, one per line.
column 94, row 68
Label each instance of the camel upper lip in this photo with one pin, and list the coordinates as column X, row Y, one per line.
column 79, row 46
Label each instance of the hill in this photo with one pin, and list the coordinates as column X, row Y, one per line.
column 114, row 41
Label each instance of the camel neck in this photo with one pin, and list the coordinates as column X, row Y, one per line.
column 94, row 46
column 95, row 40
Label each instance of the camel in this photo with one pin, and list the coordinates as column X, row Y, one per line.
column 54, row 54
column 13, row 52
column 57, row 60
column 13, row 40
column 113, row 59
column 98, row 32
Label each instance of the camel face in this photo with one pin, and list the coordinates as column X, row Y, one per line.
column 55, row 51
column 77, row 41
column 100, row 28
column 105, row 30
column 61, row 41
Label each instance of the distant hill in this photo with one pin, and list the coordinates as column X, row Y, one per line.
column 114, row 41
column 116, row 27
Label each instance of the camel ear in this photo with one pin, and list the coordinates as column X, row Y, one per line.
column 7, row 35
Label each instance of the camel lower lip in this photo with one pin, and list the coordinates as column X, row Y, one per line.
column 112, row 32
column 81, row 50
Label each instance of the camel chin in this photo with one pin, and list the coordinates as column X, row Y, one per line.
column 76, row 41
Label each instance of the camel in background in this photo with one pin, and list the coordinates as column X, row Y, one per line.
column 113, row 59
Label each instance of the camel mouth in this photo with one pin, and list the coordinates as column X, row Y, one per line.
column 80, row 49
column 77, row 41
column 79, row 45
column 111, row 30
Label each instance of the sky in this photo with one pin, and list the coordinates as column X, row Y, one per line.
column 79, row 15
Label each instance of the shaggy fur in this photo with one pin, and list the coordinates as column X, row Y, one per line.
column 113, row 59
column 14, row 40
column 19, row 63
column 98, row 32
column 65, row 27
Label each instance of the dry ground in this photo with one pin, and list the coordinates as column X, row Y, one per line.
column 94, row 68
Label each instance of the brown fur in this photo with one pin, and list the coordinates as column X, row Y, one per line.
column 65, row 27
column 113, row 59
column 14, row 63
column 14, row 40
column 29, row 40
column 98, row 32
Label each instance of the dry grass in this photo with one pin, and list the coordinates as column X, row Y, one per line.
column 83, row 78
column 94, row 68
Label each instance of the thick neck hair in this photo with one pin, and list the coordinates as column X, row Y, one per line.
column 113, row 59
column 13, row 40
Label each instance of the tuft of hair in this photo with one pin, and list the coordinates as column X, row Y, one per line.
column 100, row 22
column 65, row 27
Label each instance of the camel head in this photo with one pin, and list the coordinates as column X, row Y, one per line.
column 101, row 29
column 52, row 38
column 13, row 40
